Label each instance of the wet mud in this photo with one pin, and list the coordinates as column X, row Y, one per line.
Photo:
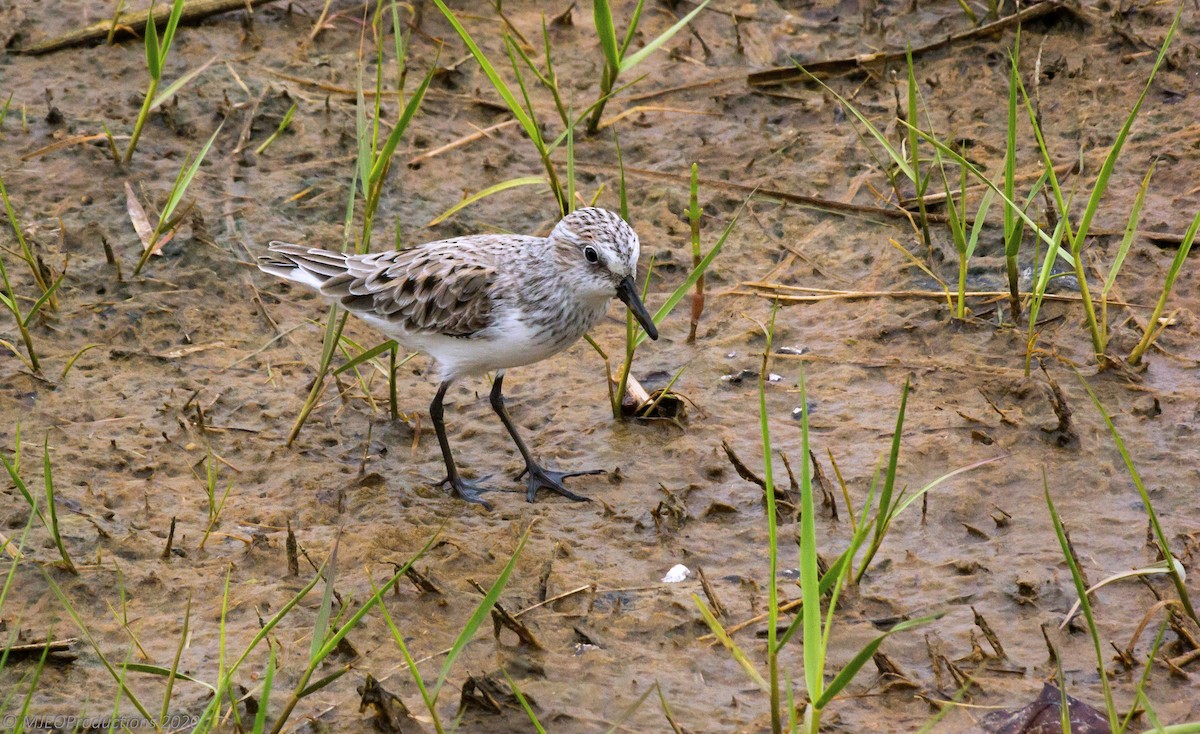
column 203, row 353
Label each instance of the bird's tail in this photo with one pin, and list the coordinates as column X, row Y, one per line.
column 308, row 266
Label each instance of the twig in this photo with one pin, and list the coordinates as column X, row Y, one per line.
column 772, row 290
column 465, row 140
column 135, row 22
column 832, row 205
column 784, row 74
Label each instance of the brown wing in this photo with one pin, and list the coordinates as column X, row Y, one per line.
column 426, row 289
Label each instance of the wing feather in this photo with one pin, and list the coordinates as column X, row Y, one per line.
column 445, row 289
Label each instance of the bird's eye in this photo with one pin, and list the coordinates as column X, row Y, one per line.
column 592, row 256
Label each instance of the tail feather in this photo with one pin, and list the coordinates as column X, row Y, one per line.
column 305, row 265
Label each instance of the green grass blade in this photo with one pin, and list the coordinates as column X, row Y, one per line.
column 260, row 718
column 889, row 485
column 209, row 714
column 45, row 297
column 178, row 192
column 1139, row 689
column 846, row 674
column 1130, row 230
column 894, row 154
column 814, row 651
column 363, row 159
column 413, row 671
column 37, row 674
column 772, row 527
column 736, row 652
column 153, row 52
column 511, row 183
column 50, row 508
column 321, row 626
column 1010, row 146
column 118, row 677
column 1084, row 603
column 533, row 719
column 317, row 685
column 680, row 292
column 914, row 496
column 4, row 110
column 1152, row 326
column 629, row 62
column 570, row 170
column 180, row 83
column 619, row 723
column 622, row 195
column 75, row 358
column 371, row 353
column 173, row 672
column 607, row 33
column 499, row 84
column 1110, row 160
column 169, row 32
column 23, row 489
column 481, row 611
column 984, row 205
column 166, row 672
column 634, row 19
column 1160, row 536
column 393, row 139
column 951, row 154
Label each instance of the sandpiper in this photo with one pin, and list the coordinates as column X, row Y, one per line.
column 483, row 303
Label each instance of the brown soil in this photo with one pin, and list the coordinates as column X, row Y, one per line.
column 189, row 361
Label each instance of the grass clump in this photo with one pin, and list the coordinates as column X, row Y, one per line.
column 12, row 302
column 167, row 221
column 813, row 625
column 617, row 59
column 49, row 518
column 156, row 59
column 372, row 164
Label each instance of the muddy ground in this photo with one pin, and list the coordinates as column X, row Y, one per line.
column 191, row 359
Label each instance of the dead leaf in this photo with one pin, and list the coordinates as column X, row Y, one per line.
column 141, row 223
column 1044, row 716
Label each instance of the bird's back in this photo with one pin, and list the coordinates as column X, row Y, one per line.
column 458, row 300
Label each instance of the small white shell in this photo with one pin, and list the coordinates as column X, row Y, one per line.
column 678, row 573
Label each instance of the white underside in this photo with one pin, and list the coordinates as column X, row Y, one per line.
column 505, row 345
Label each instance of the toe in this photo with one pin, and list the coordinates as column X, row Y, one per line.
column 552, row 480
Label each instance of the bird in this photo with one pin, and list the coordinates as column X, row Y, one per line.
column 483, row 303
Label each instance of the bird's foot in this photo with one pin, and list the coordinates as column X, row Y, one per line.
column 541, row 478
column 466, row 490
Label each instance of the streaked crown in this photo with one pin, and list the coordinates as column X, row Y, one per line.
column 610, row 235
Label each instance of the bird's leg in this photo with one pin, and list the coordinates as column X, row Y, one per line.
column 464, row 489
column 539, row 477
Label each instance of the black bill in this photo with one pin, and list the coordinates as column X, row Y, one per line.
column 627, row 292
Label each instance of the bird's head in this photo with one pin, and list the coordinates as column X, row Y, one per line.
column 601, row 251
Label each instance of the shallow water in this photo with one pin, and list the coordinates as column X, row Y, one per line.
column 189, row 339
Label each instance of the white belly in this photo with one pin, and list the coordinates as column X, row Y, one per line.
column 510, row 343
